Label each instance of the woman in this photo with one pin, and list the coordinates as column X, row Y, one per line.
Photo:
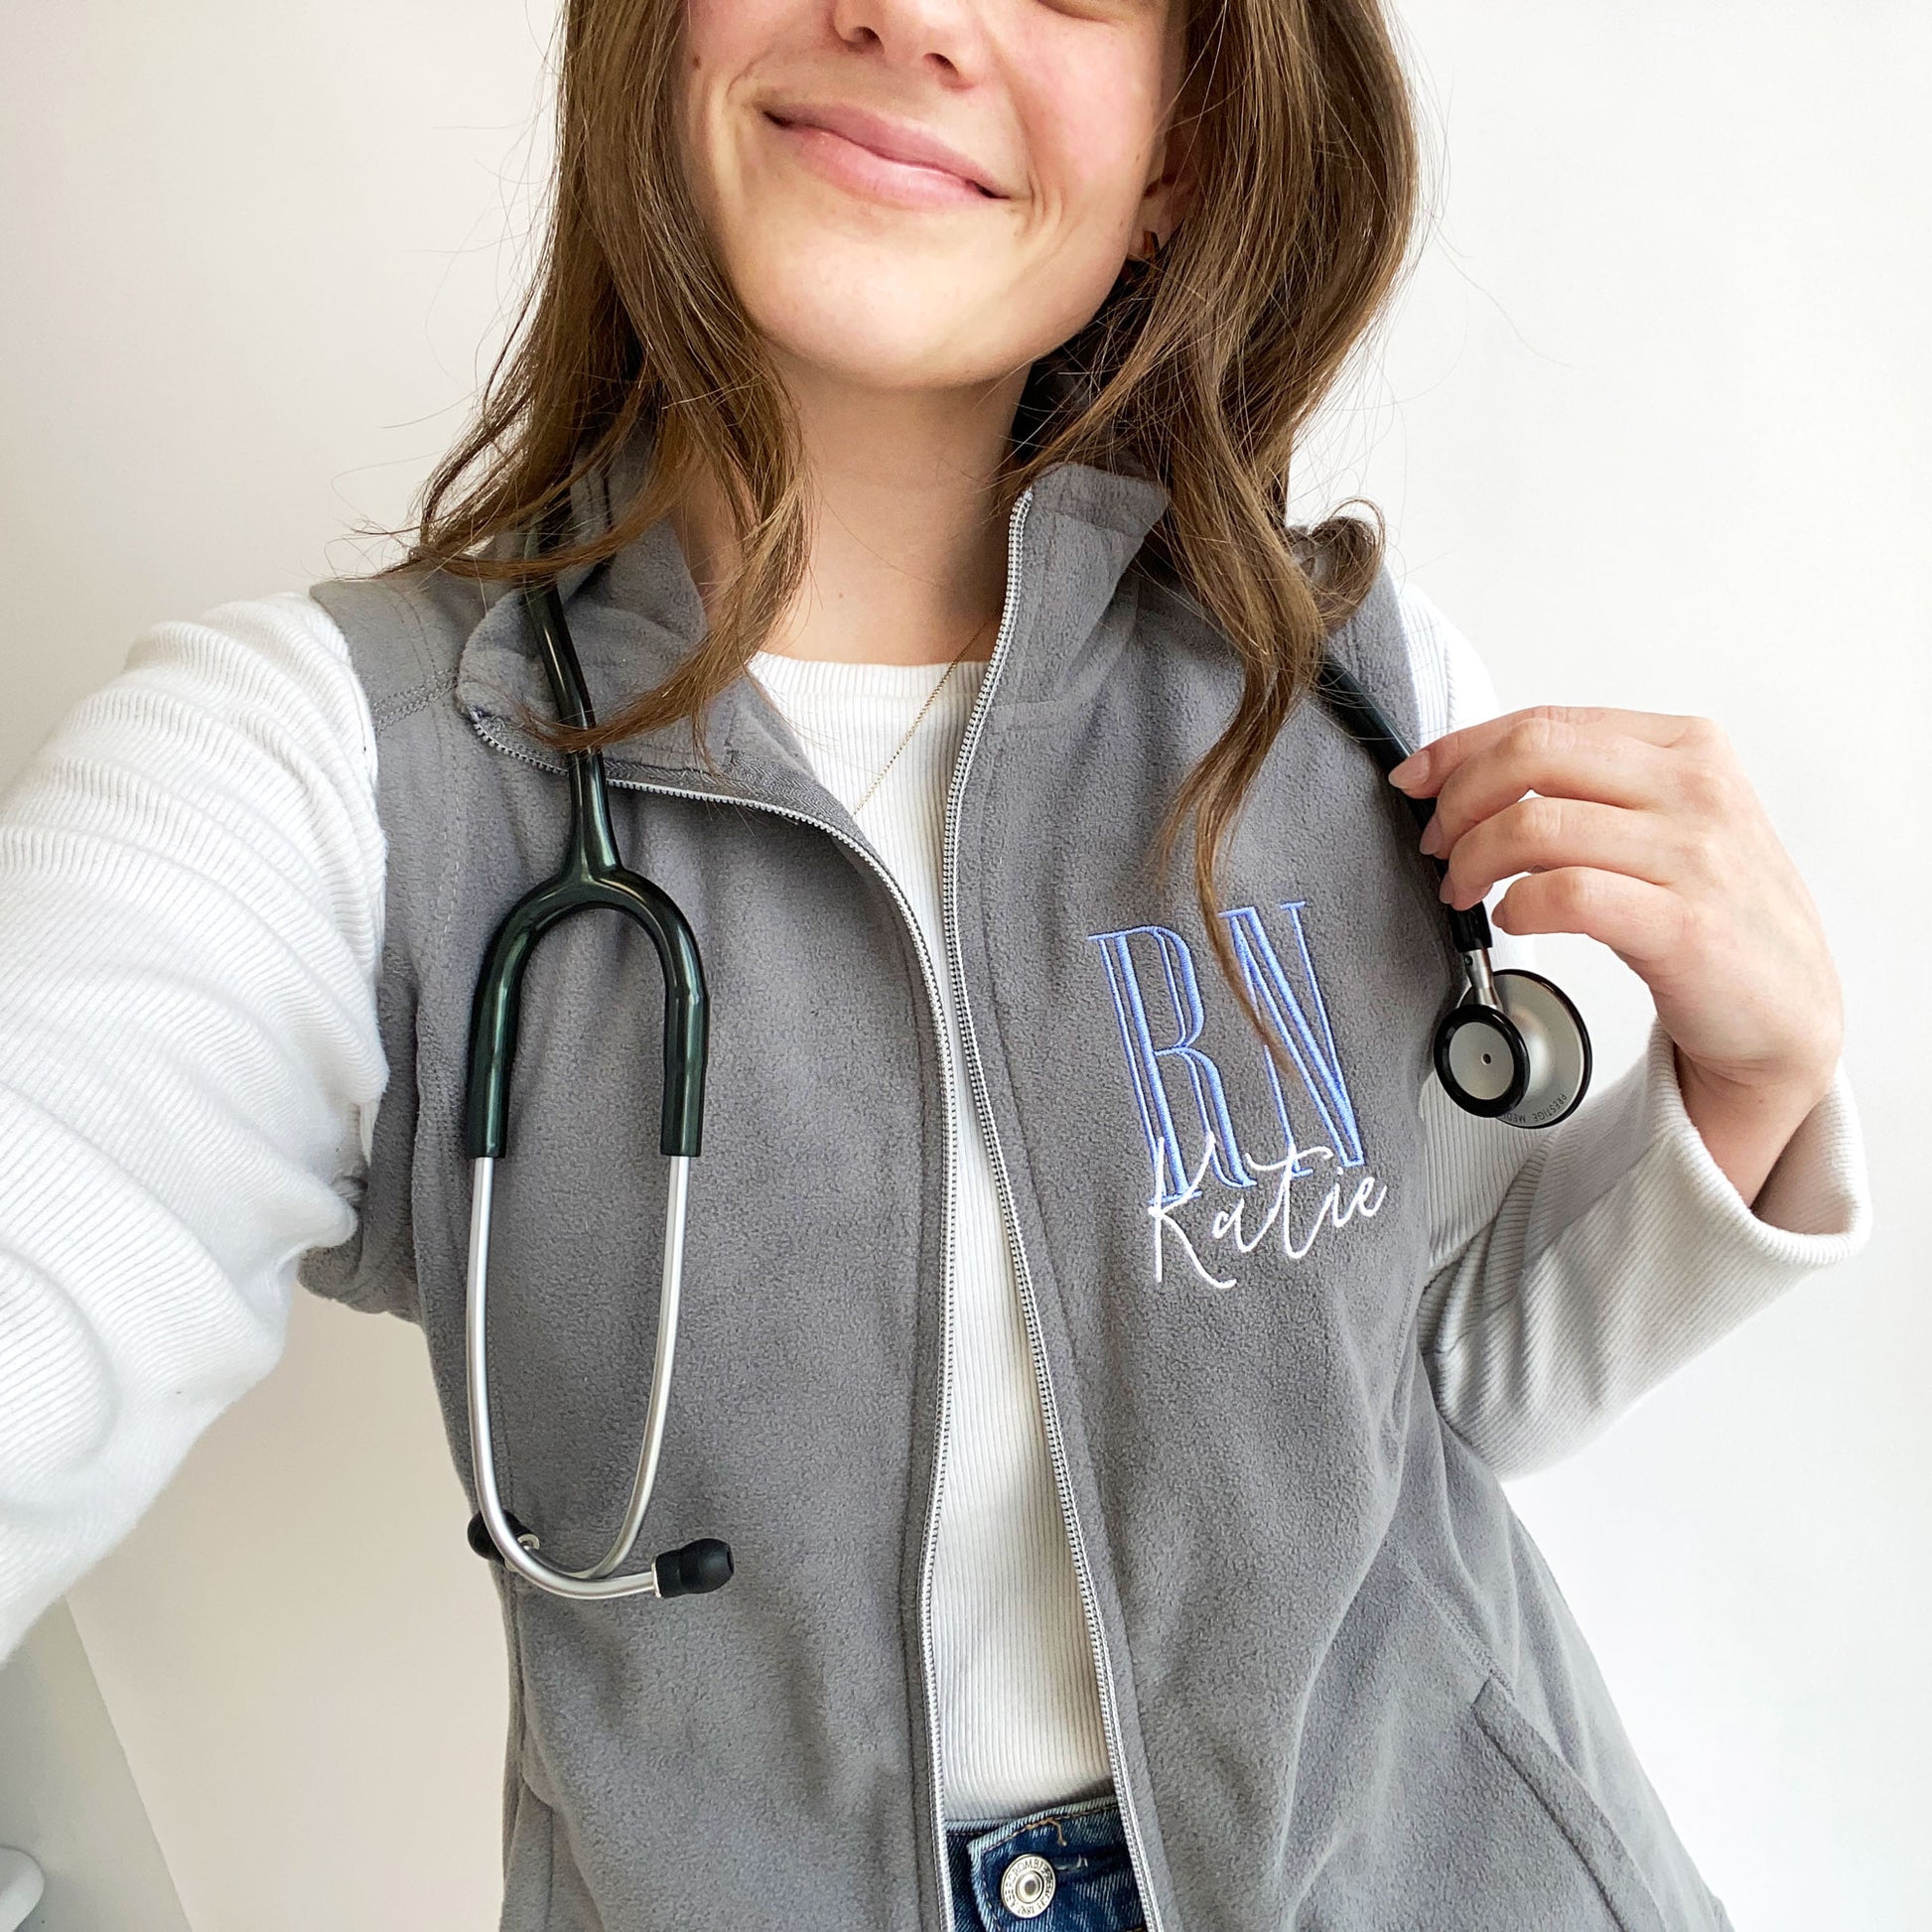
column 1101, row 1340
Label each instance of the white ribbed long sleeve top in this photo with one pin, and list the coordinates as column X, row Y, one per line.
column 191, row 879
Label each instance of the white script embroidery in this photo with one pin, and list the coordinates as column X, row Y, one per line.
column 1345, row 1197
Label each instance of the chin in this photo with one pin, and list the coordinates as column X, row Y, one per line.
column 879, row 323
column 883, row 318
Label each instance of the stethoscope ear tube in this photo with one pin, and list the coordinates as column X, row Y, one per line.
column 518, row 1546
column 593, row 877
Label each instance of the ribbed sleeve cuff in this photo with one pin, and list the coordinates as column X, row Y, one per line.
column 1815, row 1205
column 1639, row 1254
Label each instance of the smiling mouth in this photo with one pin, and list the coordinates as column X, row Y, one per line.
column 876, row 157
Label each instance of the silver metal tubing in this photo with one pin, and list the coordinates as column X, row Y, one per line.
column 1482, row 982
column 660, row 1370
column 595, row 1583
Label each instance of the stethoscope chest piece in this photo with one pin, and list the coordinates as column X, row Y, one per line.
column 1516, row 1049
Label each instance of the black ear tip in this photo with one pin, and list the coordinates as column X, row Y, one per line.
column 480, row 1537
column 695, row 1569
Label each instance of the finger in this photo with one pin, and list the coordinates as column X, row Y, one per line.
column 1544, row 834
column 1422, row 774
column 1554, row 757
column 1639, row 922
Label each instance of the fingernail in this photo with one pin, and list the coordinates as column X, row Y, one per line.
column 1432, row 836
column 1409, row 770
column 1446, row 892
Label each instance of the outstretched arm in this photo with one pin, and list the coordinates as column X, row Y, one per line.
column 190, row 893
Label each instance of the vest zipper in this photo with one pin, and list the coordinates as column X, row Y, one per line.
column 1029, row 1307
column 1096, row 1636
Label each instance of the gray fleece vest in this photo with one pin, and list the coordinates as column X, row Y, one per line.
column 1340, row 1687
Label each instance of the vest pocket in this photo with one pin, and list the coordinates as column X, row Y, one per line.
column 1570, row 1808
column 1426, row 1796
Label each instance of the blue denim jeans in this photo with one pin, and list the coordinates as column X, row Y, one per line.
column 1062, row 1868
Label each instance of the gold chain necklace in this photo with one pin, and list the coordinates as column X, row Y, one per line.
column 914, row 725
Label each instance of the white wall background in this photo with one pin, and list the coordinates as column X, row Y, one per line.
column 1652, row 426
column 66, row 1791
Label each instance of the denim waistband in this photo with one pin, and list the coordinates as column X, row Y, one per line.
column 1061, row 1868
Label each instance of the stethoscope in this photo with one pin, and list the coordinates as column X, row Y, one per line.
column 592, row 877
column 1511, row 1047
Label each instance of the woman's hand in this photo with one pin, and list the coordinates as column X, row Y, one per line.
column 1642, row 831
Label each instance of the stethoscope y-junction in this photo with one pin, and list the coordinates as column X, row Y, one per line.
column 1510, row 1046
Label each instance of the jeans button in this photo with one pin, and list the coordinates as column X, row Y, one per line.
column 1027, row 1886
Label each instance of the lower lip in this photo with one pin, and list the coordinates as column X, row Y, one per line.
column 864, row 171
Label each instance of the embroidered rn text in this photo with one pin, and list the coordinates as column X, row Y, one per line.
column 1289, row 1202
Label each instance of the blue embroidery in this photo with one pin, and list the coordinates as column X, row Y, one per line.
column 1143, row 1060
column 1315, row 1059
column 1183, row 1142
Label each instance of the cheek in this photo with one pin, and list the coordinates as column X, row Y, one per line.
column 723, row 35
column 728, row 46
column 1091, row 123
column 1091, row 130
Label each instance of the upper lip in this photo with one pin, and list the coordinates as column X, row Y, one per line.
column 896, row 140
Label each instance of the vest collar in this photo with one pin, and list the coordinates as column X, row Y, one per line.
column 637, row 615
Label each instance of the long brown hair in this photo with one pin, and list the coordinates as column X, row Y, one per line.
column 1201, row 370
